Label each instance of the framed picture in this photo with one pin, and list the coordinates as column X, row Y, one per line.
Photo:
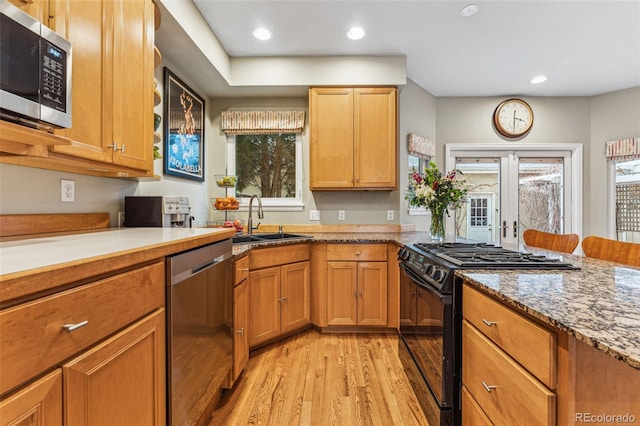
column 183, row 129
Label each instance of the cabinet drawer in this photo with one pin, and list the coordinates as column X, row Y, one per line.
column 32, row 337
column 357, row 252
column 472, row 414
column 274, row 256
column 241, row 270
column 528, row 343
column 513, row 394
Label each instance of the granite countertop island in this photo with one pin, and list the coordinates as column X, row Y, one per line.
column 598, row 304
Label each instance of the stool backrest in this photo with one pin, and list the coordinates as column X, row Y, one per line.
column 615, row 251
column 565, row 243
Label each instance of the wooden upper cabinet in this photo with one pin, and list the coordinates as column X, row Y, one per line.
column 353, row 138
column 38, row 9
column 112, row 88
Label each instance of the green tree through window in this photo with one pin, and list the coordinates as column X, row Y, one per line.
column 266, row 165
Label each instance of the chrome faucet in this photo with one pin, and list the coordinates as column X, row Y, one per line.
column 260, row 213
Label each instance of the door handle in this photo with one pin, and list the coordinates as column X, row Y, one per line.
column 504, row 229
column 515, row 229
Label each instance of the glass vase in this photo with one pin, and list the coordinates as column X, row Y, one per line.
column 436, row 229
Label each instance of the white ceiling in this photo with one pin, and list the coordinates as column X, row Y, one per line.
column 584, row 47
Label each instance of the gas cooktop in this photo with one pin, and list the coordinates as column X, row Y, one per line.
column 481, row 255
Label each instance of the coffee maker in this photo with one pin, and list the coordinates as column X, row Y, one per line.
column 172, row 211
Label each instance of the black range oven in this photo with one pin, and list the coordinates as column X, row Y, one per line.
column 431, row 316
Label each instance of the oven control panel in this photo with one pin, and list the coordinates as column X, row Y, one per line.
column 424, row 267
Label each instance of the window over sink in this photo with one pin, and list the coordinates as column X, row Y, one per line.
column 264, row 151
column 269, row 165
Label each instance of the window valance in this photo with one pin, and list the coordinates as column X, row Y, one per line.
column 420, row 147
column 262, row 122
column 623, row 149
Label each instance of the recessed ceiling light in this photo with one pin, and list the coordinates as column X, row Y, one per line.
column 538, row 79
column 470, row 10
column 355, row 33
column 262, row 34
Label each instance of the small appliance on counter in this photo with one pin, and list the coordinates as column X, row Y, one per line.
column 157, row 211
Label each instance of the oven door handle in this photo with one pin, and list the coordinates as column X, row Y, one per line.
column 445, row 299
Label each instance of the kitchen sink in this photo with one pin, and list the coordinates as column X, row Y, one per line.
column 256, row 238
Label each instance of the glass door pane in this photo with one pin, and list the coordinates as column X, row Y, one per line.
column 478, row 218
column 540, row 195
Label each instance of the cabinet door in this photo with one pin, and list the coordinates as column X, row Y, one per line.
column 331, row 143
column 38, row 9
column 92, row 82
column 122, row 380
column 372, row 293
column 295, row 296
column 342, row 293
column 375, row 138
column 112, row 80
column 132, row 112
column 240, row 323
column 264, row 305
column 40, row 403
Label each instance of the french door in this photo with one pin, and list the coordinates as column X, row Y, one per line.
column 534, row 186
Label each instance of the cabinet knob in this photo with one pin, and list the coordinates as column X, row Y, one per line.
column 240, row 331
column 71, row 327
column 357, row 253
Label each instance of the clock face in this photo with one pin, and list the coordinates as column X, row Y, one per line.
column 513, row 118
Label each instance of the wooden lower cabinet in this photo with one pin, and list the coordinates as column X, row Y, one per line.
column 40, row 403
column 278, row 301
column 92, row 354
column 120, row 381
column 357, row 293
column 240, row 328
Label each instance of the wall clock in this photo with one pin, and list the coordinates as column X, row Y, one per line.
column 513, row 118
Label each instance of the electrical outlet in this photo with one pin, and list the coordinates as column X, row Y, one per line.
column 341, row 214
column 67, row 191
column 389, row 214
column 120, row 219
column 314, row 214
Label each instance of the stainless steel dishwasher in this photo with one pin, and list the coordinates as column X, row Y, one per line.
column 199, row 330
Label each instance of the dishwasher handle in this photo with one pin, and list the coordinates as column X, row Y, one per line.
column 185, row 265
column 207, row 265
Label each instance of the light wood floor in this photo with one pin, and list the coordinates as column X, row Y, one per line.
column 323, row 379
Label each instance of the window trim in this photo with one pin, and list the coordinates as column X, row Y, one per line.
column 269, row 204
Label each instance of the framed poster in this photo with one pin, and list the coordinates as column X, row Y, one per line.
column 183, row 129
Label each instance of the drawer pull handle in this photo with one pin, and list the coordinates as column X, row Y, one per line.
column 244, row 269
column 488, row 387
column 70, row 327
column 240, row 331
column 489, row 323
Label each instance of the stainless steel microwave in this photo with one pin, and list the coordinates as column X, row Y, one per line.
column 35, row 71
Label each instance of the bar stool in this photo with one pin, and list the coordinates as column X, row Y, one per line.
column 615, row 251
column 565, row 243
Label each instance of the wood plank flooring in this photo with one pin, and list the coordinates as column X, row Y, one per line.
column 323, row 379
